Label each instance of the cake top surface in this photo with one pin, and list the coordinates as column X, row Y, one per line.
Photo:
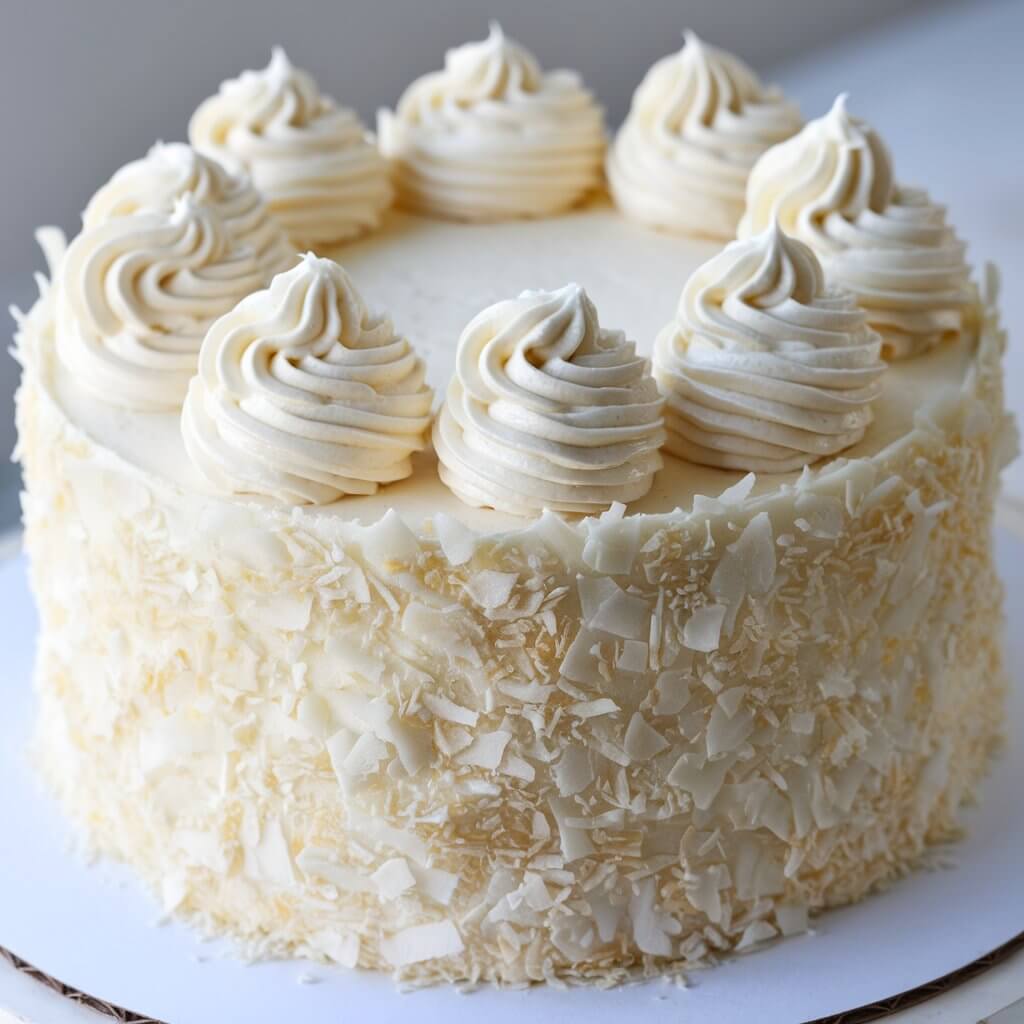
column 434, row 276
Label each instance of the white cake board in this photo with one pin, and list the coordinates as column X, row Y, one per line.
column 93, row 927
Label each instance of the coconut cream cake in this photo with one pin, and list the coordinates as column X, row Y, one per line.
column 534, row 584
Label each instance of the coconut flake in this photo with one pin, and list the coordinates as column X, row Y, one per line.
column 393, row 878
column 573, row 772
column 704, row 627
column 593, row 592
column 448, row 710
column 726, row 732
column 701, row 778
column 341, row 947
column 365, row 756
column 633, row 657
column 739, row 491
column 642, row 742
column 672, row 692
column 491, row 589
column 421, row 942
column 389, row 543
column 755, row 933
column 624, row 615
column 457, row 541
column 486, row 750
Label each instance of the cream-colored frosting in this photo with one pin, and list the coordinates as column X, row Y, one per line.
column 167, row 172
column 137, row 294
column 764, row 368
column 493, row 137
column 907, row 269
column 548, row 409
column 830, row 173
column 698, row 122
column 322, row 175
column 833, row 187
column 302, row 395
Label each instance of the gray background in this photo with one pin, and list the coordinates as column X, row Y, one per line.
column 89, row 84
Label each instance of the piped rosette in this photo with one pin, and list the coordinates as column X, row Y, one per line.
column 321, row 173
column 764, row 368
column 303, row 395
column 833, row 187
column 547, row 409
column 172, row 169
column 698, row 123
column 137, row 294
column 493, row 137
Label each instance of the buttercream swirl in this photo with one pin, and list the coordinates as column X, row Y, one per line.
column 547, row 409
column 698, row 122
column 493, row 137
column 321, row 173
column 303, row 396
column 137, row 294
column 167, row 172
column 764, row 368
column 828, row 174
column 833, row 187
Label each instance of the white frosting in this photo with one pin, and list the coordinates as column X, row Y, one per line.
column 321, row 173
column 834, row 170
column 833, row 187
column 907, row 269
column 137, row 294
column 167, row 172
column 493, row 137
column 698, row 122
column 302, row 395
column 548, row 409
column 765, row 369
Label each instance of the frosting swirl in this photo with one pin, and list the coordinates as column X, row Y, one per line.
column 493, row 137
column 833, row 187
column 303, row 396
column 698, row 122
column 322, row 175
column 830, row 173
column 167, row 172
column 763, row 368
column 138, row 292
column 908, row 271
column 547, row 409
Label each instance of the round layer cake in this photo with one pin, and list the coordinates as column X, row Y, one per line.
column 400, row 731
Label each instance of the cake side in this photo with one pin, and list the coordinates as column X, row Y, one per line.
column 572, row 750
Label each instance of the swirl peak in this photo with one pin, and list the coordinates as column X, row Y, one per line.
column 303, row 396
column 491, row 136
column 323, row 178
column 138, row 293
column 697, row 124
column 765, row 368
column 547, row 409
column 835, row 169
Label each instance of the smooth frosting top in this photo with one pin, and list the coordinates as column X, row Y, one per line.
column 303, row 395
column 834, row 170
column 492, row 136
column 547, row 409
column 698, row 122
column 137, row 294
column 167, row 172
column 322, row 175
column 764, row 368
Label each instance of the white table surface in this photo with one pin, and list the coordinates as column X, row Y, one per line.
column 946, row 89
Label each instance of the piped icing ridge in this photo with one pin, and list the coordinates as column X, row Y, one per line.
column 547, row 409
column 764, row 368
column 167, row 172
column 493, row 137
column 321, row 173
column 137, row 294
column 698, row 123
column 303, row 395
column 833, row 187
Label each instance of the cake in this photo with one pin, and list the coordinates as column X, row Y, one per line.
column 671, row 620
